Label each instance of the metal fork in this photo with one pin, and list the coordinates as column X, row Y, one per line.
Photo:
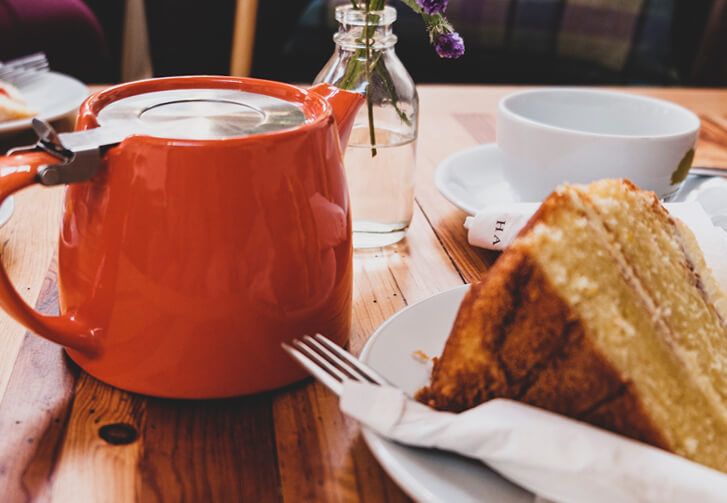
column 22, row 70
column 330, row 364
column 707, row 171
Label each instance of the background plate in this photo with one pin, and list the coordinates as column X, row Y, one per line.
column 52, row 95
column 6, row 210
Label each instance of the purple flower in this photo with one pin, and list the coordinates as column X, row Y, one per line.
column 449, row 45
column 432, row 7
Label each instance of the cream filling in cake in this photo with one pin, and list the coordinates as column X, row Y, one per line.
column 694, row 327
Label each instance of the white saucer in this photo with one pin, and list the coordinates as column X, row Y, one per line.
column 471, row 179
column 424, row 474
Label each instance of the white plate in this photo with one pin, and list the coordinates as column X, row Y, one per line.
column 428, row 475
column 472, row 178
column 52, row 95
column 6, row 210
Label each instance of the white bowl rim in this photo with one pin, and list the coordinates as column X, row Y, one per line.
column 693, row 128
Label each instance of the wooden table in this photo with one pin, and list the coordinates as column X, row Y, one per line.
column 67, row 437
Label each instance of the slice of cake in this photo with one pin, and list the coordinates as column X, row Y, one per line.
column 603, row 309
column 12, row 104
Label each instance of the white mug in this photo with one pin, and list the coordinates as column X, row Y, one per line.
column 551, row 136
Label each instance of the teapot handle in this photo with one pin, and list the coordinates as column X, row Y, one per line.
column 18, row 171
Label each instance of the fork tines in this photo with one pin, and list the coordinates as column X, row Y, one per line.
column 23, row 69
column 330, row 363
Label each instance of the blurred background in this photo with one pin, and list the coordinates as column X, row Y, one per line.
column 639, row 42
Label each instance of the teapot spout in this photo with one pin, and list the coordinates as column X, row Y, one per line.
column 345, row 106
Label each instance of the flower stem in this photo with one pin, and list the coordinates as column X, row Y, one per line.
column 364, row 61
column 369, row 95
column 383, row 72
column 372, row 130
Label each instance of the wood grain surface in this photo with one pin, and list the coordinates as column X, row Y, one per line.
column 66, row 437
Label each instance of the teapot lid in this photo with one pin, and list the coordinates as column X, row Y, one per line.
column 201, row 114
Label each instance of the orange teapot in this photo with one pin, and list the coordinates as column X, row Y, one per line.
column 206, row 221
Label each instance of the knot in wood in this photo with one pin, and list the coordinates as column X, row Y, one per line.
column 118, row 433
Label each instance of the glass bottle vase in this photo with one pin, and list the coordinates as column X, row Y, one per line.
column 380, row 160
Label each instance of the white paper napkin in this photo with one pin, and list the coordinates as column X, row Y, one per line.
column 496, row 226
column 553, row 456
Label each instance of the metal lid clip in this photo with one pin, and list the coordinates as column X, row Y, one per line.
column 73, row 165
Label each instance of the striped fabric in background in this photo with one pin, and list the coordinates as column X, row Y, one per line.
column 614, row 34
